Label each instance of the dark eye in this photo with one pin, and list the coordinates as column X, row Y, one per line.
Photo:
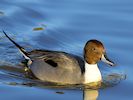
column 93, row 49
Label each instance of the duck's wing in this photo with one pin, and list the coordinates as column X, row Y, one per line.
column 58, row 58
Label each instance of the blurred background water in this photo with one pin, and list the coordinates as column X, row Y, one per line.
column 66, row 25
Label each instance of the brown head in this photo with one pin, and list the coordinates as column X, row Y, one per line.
column 94, row 51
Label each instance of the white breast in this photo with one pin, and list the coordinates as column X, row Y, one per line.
column 92, row 73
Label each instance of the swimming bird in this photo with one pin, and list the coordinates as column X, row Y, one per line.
column 64, row 68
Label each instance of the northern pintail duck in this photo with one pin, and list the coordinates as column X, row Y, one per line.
column 64, row 68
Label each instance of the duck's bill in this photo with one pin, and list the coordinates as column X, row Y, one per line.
column 106, row 60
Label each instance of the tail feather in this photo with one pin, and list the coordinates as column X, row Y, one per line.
column 21, row 49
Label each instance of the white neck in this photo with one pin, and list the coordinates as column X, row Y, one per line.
column 92, row 73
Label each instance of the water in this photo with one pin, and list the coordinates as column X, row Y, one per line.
column 67, row 25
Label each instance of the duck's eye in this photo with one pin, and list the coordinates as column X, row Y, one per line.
column 93, row 49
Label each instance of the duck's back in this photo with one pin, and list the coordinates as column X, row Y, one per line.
column 54, row 66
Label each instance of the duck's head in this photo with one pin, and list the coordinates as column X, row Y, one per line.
column 94, row 51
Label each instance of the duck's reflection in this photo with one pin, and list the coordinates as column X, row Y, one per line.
column 89, row 94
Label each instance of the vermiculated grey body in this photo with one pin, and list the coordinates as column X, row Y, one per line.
column 57, row 67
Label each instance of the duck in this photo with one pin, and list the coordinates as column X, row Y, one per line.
column 64, row 68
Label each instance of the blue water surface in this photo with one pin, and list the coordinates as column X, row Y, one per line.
column 67, row 25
